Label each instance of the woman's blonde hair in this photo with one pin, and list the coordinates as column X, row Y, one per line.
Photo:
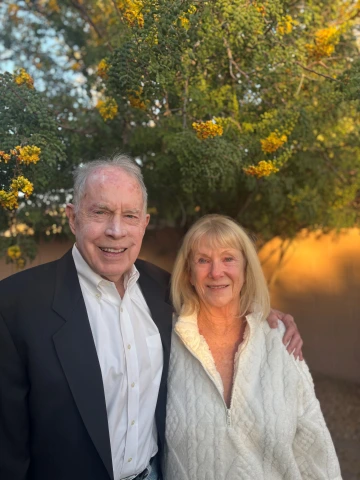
column 219, row 231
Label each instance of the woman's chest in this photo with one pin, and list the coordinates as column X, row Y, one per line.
column 264, row 394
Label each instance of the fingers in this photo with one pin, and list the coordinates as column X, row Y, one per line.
column 291, row 329
column 273, row 319
column 292, row 336
column 295, row 346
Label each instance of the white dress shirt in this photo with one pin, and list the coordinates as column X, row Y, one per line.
column 130, row 354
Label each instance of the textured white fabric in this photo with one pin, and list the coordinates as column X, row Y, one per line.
column 274, row 429
column 130, row 354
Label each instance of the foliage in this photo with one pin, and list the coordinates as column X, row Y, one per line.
column 249, row 108
column 28, row 135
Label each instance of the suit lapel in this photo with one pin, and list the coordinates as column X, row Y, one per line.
column 76, row 350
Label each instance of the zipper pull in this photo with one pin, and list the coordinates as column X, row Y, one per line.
column 228, row 418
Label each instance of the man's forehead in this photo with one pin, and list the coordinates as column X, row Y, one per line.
column 111, row 175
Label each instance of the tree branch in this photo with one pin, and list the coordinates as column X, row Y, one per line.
column 84, row 13
column 316, row 73
column 232, row 62
column 186, row 89
column 116, row 8
column 300, row 85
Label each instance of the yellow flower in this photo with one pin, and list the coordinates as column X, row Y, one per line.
column 131, row 10
column 4, row 156
column 262, row 169
column 14, row 252
column 248, row 127
column 53, row 6
column 273, row 142
column 28, row 154
column 9, row 199
column 23, row 184
column 261, row 9
column 324, row 43
column 23, row 78
column 76, row 66
column 184, row 20
column 20, row 263
column 135, row 100
column 103, row 68
column 207, row 129
column 108, row 108
column 285, row 25
column 137, row 103
column 13, row 9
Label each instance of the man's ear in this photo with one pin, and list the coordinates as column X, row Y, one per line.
column 70, row 213
column 147, row 219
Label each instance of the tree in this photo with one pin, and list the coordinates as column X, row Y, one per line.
column 241, row 107
column 28, row 135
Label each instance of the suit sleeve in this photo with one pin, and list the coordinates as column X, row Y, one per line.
column 313, row 447
column 14, row 415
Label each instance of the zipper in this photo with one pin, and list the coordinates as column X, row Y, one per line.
column 227, row 410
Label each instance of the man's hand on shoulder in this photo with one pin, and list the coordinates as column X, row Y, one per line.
column 292, row 336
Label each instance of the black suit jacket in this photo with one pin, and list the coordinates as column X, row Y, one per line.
column 53, row 421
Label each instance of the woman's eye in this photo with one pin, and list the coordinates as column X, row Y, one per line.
column 229, row 259
column 202, row 260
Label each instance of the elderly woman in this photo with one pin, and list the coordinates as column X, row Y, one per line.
column 239, row 406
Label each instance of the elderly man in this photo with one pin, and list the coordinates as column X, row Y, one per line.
column 85, row 341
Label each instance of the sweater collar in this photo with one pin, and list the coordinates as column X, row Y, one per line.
column 187, row 329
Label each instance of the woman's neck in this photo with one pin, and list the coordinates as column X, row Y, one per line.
column 219, row 322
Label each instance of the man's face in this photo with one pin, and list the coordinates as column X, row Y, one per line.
column 110, row 222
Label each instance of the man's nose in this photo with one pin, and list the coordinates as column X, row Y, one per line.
column 116, row 228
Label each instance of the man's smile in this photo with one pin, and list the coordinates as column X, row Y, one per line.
column 112, row 250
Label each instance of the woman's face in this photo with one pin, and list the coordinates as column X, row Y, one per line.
column 218, row 275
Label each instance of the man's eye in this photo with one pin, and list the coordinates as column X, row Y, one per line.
column 130, row 216
column 99, row 212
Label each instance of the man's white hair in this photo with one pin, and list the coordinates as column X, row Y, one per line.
column 120, row 161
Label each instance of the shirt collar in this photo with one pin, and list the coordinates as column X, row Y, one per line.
column 93, row 281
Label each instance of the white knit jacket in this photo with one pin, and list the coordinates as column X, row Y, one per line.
column 274, row 428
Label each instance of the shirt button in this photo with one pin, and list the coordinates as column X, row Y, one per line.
column 133, row 384
column 133, row 422
column 130, row 459
column 121, row 309
column 129, row 346
column 98, row 295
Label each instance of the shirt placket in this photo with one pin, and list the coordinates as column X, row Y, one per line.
column 132, row 371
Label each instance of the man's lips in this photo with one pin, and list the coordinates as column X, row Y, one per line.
column 112, row 250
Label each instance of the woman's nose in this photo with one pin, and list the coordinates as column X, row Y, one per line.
column 216, row 270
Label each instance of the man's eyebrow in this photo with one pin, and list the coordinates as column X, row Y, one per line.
column 131, row 210
column 100, row 205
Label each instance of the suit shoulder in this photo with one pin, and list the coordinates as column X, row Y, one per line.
column 31, row 276
column 157, row 273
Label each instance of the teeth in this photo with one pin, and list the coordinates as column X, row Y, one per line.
column 112, row 250
column 217, row 286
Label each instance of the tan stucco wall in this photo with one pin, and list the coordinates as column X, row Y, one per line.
column 319, row 284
